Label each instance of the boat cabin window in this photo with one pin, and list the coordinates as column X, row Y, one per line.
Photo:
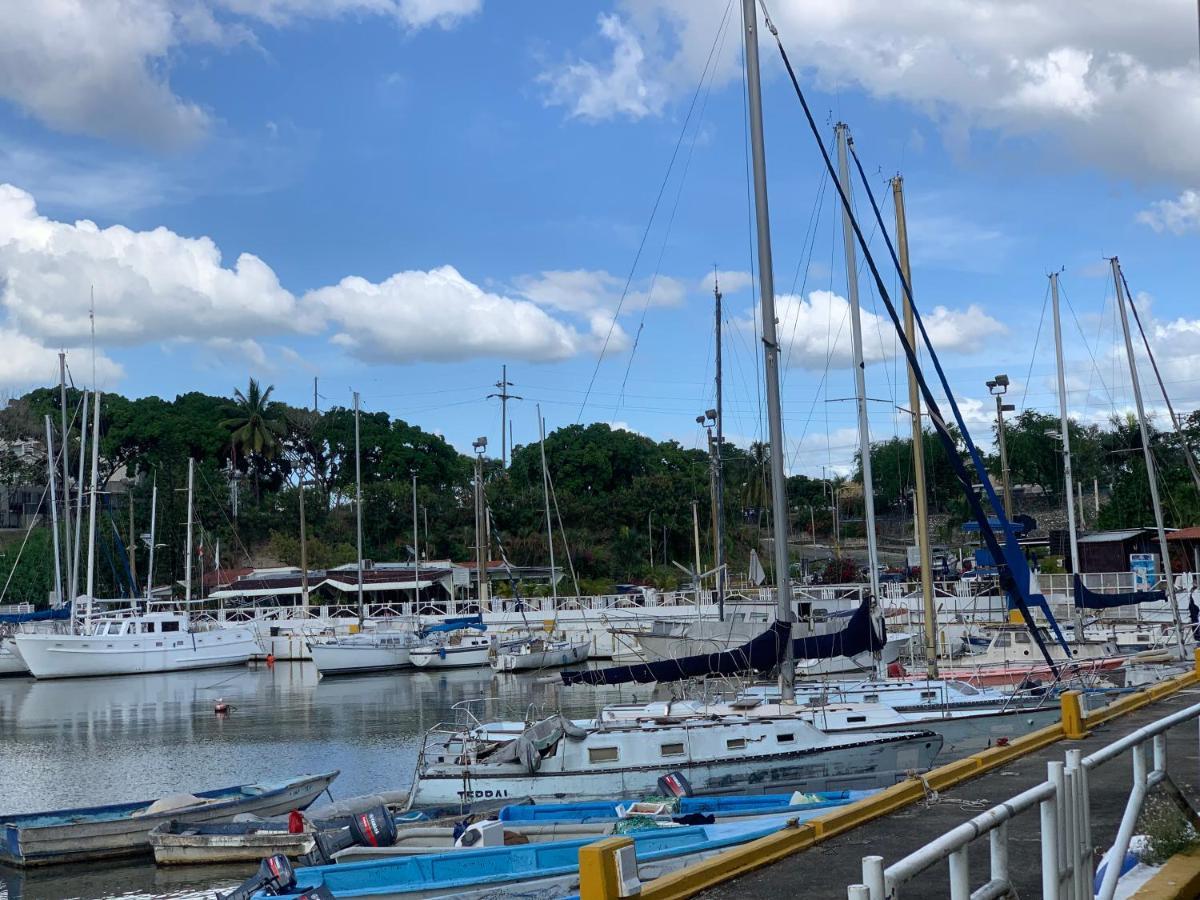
column 785, row 738
column 856, row 718
column 170, row 626
column 1022, row 637
column 603, row 754
column 672, row 749
column 870, row 698
column 928, row 695
column 1003, row 640
column 735, row 744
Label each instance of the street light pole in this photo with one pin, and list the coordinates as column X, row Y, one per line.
column 998, row 388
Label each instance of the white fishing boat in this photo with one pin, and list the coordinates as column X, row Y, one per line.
column 135, row 645
column 766, row 749
column 541, row 653
column 365, row 652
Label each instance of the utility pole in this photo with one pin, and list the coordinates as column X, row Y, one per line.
column 187, row 559
column 504, row 396
column 480, row 448
column 770, row 339
column 546, row 499
column 1148, row 452
column 920, row 497
column 998, row 387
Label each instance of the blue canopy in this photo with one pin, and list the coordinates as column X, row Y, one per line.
column 41, row 615
column 454, row 625
column 1086, row 599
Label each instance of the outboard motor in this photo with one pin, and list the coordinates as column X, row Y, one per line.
column 674, row 784
column 373, row 828
column 275, row 876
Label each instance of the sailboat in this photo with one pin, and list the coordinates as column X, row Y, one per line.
column 103, row 645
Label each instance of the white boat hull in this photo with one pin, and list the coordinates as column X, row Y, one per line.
column 11, row 663
column 569, row 655
column 80, row 656
column 343, row 658
column 450, row 657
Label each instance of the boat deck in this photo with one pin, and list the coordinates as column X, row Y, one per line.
column 826, row 869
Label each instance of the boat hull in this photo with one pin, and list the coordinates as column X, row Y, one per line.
column 542, row 659
column 846, row 765
column 345, row 659
column 11, row 663
column 450, row 657
column 178, row 847
column 43, row 839
column 82, row 656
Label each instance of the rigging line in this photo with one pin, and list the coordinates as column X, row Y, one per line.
column 687, row 164
column 1175, row 421
column 805, row 261
column 221, row 506
column 1033, row 353
column 1078, row 327
column 1020, row 593
column 662, row 188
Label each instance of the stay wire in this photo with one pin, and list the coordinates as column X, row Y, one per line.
column 1033, row 352
column 646, row 233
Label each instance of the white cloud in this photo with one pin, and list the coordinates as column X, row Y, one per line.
column 149, row 285
column 731, row 281
column 594, row 291
column 1096, row 77
column 102, row 67
column 26, row 364
column 439, row 315
column 816, row 330
column 619, row 87
column 1176, row 216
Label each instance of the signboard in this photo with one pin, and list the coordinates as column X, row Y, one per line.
column 914, row 557
column 1144, row 567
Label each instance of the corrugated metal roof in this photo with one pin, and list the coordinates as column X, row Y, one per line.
column 1106, row 537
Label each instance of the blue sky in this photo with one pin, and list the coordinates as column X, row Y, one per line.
column 426, row 189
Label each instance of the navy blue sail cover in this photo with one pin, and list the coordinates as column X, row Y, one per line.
column 1087, row 599
column 41, row 615
column 458, row 624
column 761, row 654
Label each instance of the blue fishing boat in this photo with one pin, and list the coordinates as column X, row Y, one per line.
column 464, row 871
column 721, row 807
column 123, row 829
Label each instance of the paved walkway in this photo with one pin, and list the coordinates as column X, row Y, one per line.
column 826, row 870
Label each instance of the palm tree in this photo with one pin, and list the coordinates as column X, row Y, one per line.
column 257, row 428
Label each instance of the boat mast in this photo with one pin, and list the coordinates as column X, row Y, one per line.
column 718, row 468
column 859, row 363
column 91, row 561
column 66, row 469
column 79, row 500
column 358, row 508
column 546, row 497
column 53, row 491
column 153, row 523
column 920, row 498
column 766, row 290
column 187, row 561
column 416, row 551
column 1068, row 478
column 1149, row 455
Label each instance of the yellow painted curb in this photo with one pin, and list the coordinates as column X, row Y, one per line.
column 746, row 858
column 1178, row 878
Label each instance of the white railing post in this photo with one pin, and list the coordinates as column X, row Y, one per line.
column 960, row 874
column 1049, row 837
column 1112, row 870
column 872, row 867
column 1160, row 753
column 1081, row 853
column 998, row 853
column 1070, row 857
column 858, row 892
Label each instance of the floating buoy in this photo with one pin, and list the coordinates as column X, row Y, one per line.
column 270, row 660
column 221, row 708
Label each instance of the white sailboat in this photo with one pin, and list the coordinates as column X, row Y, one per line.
column 135, row 644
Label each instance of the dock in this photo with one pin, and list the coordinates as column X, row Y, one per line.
column 823, row 858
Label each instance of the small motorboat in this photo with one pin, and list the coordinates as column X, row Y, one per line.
column 123, row 829
column 541, row 653
column 178, row 843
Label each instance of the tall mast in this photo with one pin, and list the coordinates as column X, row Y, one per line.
column 718, row 468
column 766, row 290
column 153, row 523
column 187, row 559
column 50, row 466
column 1065, row 425
column 91, row 560
column 416, row 551
column 66, row 468
column 79, row 500
column 358, row 507
column 546, row 497
column 1151, row 474
column 920, row 499
column 859, row 363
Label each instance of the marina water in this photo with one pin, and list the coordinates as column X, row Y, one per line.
column 92, row 741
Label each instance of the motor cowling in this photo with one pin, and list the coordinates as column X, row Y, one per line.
column 275, row 876
column 373, row 828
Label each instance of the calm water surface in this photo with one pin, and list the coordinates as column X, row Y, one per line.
column 90, row 741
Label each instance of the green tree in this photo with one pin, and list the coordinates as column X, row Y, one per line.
column 256, row 428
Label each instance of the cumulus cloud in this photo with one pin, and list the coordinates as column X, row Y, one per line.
column 149, row 285
column 439, row 316
column 814, row 330
column 597, row 291
column 731, row 281
column 102, row 67
column 1176, row 216
column 25, row 363
column 1096, row 77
